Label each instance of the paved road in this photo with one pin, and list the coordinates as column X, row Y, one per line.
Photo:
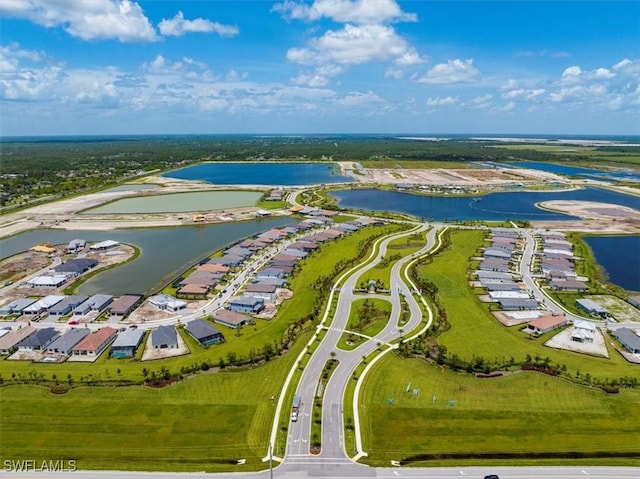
column 333, row 449
column 335, row 470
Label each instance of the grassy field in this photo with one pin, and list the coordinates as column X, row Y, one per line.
column 250, row 340
column 475, row 332
column 522, row 412
column 377, row 323
column 207, row 422
column 396, row 250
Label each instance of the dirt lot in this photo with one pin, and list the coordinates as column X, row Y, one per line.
column 595, row 216
column 562, row 340
column 150, row 354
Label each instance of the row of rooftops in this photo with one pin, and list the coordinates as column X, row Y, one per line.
column 557, row 262
column 81, row 341
column 77, row 304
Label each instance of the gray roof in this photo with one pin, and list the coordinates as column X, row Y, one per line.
column 518, row 303
column 627, row 337
column 76, row 265
column 39, row 338
column 164, row 335
column 201, row 329
column 69, row 339
column 99, row 300
column 129, row 338
column 68, row 303
column 124, row 303
column 246, row 301
column 17, row 306
column 591, row 305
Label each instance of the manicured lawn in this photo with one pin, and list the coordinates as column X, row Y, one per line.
column 397, row 249
column 475, row 332
column 201, row 423
column 377, row 323
column 522, row 412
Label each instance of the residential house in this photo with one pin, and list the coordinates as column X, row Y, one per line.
column 124, row 305
column 164, row 302
column 76, row 266
column 583, row 331
column 39, row 340
column 204, row 333
column 593, row 308
column 544, row 324
column 258, row 290
column 246, row 304
column 42, row 305
column 230, row 318
column 97, row 302
column 164, row 337
column 67, row 304
column 65, row 343
column 193, row 291
column 629, row 340
column 16, row 307
column 9, row 342
column 104, row 245
column 127, row 343
column 95, row 343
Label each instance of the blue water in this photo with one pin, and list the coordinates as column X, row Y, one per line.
column 277, row 174
column 620, row 257
column 494, row 206
column 632, row 175
column 165, row 252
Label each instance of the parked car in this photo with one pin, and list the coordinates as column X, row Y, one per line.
column 491, row 476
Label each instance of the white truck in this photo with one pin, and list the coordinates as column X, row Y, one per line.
column 295, row 409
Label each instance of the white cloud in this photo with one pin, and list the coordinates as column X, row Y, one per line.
column 443, row 101
column 122, row 20
column 360, row 98
column 482, row 101
column 178, row 26
column 310, row 80
column 571, row 74
column 524, row 94
column 454, row 71
column 603, row 73
column 346, row 11
column 395, row 73
column 355, row 44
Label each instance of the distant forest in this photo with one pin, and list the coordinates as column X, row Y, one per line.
column 54, row 168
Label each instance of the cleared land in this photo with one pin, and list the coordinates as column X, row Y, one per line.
column 519, row 413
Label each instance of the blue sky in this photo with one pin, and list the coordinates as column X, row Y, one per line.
column 70, row 67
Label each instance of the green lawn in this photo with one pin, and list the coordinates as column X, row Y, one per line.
column 522, row 412
column 396, row 250
column 206, row 422
column 377, row 323
column 475, row 332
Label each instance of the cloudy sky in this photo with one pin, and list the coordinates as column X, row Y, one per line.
column 71, row 67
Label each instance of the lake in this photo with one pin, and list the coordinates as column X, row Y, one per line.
column 492, row 207
column 179, row 202
column 165, row 253
column 276, row 174
column 567, row 170
column 620, row 257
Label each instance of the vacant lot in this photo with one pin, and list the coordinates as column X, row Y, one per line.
column 460, row 414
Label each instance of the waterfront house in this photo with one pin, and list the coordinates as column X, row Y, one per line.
column 164, row 302
column 67, row 304
column 124, row 305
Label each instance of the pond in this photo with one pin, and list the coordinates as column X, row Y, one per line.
column 492, row 207
column 620, row 258
column 165, row 252
column 179, row 202
column 276, row 174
